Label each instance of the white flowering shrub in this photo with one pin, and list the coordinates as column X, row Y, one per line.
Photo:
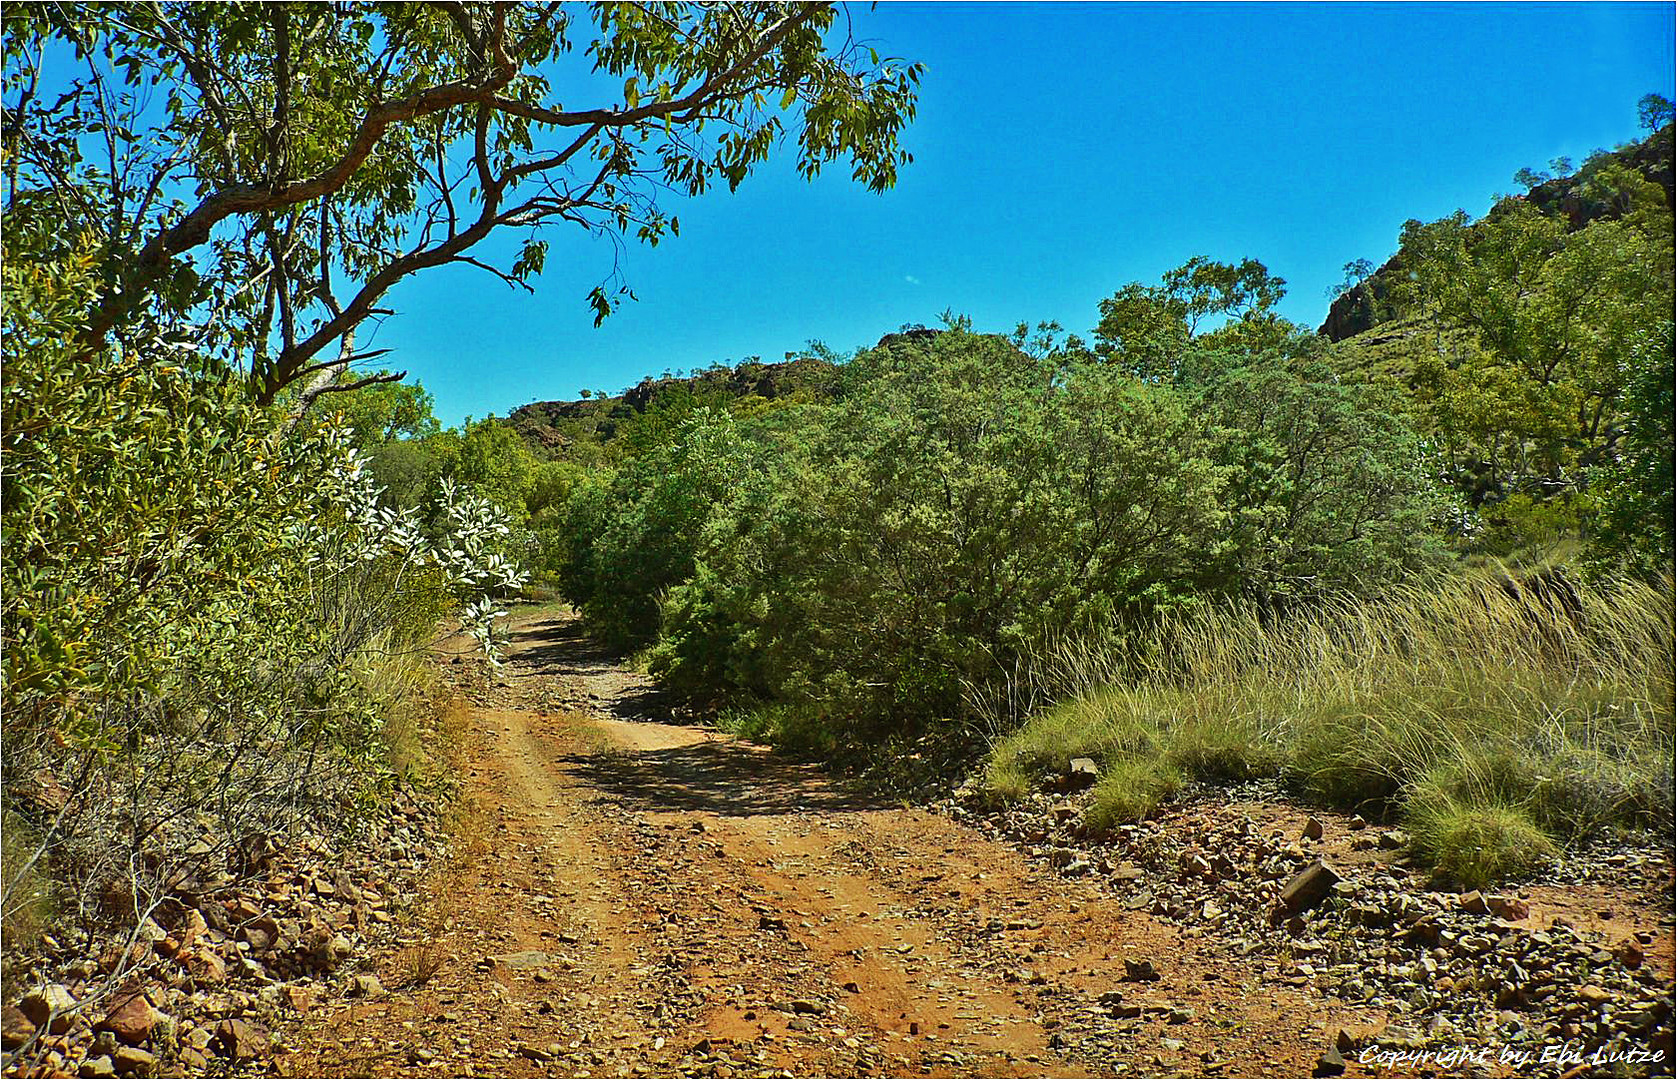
column 194, row 612
column 376, row 560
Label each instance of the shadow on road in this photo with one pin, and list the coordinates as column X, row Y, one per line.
column 560, row 646
column 726, row 779
column 732, row 779
column 561, row 643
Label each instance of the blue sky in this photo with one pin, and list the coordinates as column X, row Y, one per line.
column 1060, row 152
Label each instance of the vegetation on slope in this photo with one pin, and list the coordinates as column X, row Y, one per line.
column 882, row 563
column 212, row 613
column 1530, row 711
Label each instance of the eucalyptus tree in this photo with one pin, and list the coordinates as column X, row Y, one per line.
column 255, row 177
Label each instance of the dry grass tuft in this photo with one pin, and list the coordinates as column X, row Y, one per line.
column 1533, row 697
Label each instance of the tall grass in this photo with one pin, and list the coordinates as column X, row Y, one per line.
column 1463, row 709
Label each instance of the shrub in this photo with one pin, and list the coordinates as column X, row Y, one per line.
column 1131, row 790
column 630, row 536
column 1538, row 695
column 1474, row 844
column 963, row 498
column 203, row 615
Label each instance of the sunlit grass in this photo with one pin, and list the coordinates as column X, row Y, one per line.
column 1467, row 709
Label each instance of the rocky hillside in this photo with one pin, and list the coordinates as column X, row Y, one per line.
column 561, row 428
column 1369, row 303
column 558, row 427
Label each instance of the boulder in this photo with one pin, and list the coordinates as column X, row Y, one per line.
column 15, row 1027
column 133, row 1061
column 205, row 966
column 97, row 1068
column 1508, row 908
column 366, row 986
column 1332, row 1063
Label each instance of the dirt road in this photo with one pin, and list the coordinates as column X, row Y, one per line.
column 635, row 898
column 646, row 899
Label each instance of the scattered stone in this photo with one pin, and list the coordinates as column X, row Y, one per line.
column 519, row 961
column 49, row 1005
column 133, row 1061
column 15, row 1027
column 1357, row 823
column 1629, row 953
column 206, row 967
column 240, row 1040
column 1474, row 903
column 1309, row 887
column 1508, row 908
column 1313, row 829
column 300, row 998
column 130, row 1018
column 97, row 1068
column 1330, row 1064
column 1140, row 971
column 366, row 986
column 1082, row 772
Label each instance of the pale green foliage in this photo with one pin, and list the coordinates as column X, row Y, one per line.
column 1536, row 394
column 1328, row 492
column 1147, row 329
column 379, row 413
column 964, row 497
column 1634, row 531
column 199, row 611
column 145, row 511
column 628, row 537
column 970, row 498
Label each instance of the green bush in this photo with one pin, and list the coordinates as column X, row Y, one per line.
column 628, row 537
column 1474, row 844
column 208, row 621
column 1131, row 790
column 961, row 500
